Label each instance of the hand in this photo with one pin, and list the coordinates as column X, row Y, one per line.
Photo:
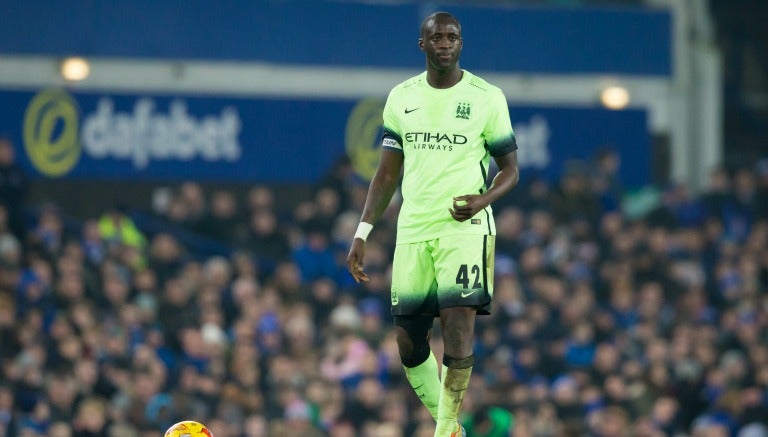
column 466, row 206
column 355, row 260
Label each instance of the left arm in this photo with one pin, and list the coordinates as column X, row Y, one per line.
column 466, row 206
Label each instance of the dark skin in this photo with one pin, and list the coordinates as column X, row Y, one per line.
column 441, row 43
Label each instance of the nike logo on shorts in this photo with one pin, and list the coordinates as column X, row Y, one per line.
column 467, row 293
column 408, row 111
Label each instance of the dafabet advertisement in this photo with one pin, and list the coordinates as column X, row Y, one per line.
column 63, row 134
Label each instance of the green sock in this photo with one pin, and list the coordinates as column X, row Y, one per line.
column 425, row 381
column 455, row 383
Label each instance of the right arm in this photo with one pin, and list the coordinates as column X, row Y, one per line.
column 383, row 185
column 380, row 193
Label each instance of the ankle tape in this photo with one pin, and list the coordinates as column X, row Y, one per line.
column 458, row 363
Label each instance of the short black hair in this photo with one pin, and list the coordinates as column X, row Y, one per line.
column 435, row 16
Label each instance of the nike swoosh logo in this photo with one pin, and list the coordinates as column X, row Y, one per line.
column 467, row 293
column 408, row 111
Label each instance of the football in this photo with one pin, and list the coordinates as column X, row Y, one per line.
column 188, row 428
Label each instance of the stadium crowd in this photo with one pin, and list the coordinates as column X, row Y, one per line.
column 614, row 315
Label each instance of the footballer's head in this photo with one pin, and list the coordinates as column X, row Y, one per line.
column 440, row 40
column 438, row 17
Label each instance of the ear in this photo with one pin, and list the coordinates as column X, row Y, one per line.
column 421, row 44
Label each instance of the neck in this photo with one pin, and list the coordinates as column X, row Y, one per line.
column 444, row 79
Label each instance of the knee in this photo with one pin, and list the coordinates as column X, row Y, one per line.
column 404, row 342
column 413, row 352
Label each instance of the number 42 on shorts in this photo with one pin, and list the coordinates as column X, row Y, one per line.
column 466, row 273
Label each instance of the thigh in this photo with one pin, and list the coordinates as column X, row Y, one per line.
column 413, row 280
column 464, row 271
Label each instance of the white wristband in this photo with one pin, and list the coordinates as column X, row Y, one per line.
column 363, row 229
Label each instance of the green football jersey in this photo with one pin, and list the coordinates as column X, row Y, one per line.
column 447, row 137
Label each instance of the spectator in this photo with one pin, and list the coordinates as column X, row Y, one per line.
column 222, row 221
column 717, row 192
column 165, row 257
column 116, row 228
column 7, row 411
column 490, row 422
column 265, row 240
column 761, row 170
column 606, row 182
column 260, row 198
column 314, row 257
column 327, row 209
column 574, row 199
column 48, row 234
column 90, row 418
column 196, row 207
column 622, row 325
column 742, row 208
column 13, row 189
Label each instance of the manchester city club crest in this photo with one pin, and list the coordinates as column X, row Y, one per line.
column 462, row 111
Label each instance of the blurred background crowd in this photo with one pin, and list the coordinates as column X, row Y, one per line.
column 180, row 182
column 610, row 319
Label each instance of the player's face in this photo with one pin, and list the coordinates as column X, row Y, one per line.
column 442, row 44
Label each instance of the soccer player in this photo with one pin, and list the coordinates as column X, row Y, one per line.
column 440, row 129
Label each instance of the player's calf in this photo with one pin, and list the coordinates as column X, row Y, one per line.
column 420, row 364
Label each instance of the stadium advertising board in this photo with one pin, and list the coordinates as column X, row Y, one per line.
column 514, row 38
column 61, row 134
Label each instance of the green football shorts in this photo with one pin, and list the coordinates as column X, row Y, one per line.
column 446, row 272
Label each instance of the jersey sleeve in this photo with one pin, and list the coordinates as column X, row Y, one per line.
column 498, row 133
column 392, row 138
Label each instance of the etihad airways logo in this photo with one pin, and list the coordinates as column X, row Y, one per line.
column 434, row 140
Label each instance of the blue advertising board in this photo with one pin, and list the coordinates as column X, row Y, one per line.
column 550, row 138
column 62, row 134
column 512, row 38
